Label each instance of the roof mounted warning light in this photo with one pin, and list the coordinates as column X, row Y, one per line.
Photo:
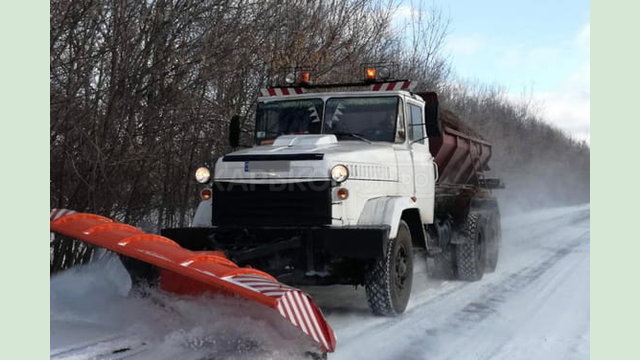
column 377, row 72
column 297, row 76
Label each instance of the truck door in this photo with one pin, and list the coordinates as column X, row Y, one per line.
column 422, row 161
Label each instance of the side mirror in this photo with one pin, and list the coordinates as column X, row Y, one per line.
column 234, row 131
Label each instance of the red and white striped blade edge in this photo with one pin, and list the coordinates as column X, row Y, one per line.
column 295, row 306
column 58, row 213
column 281, row 91
column 396, row 85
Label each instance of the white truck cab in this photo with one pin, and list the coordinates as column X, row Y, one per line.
column 370, row 145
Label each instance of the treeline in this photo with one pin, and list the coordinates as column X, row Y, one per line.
column 142, row 92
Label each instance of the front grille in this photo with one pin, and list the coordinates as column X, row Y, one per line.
column 301, row 203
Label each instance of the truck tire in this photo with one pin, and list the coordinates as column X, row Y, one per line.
column 471, row 255
column 494, row 241
column 388, row 282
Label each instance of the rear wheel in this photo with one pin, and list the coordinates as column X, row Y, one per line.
column 471, row 255
column 493, row 242
column 388, row 282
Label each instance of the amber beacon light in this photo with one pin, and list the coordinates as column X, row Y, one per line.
column 370, row 73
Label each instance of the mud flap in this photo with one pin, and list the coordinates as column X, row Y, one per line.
column 197, row 272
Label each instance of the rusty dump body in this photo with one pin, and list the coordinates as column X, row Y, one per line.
column 461, row 154
column 462, row 158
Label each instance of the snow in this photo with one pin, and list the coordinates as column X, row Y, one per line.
column 536, row 305
column 91, row 312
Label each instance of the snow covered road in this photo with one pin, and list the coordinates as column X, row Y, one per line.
column 535, row 306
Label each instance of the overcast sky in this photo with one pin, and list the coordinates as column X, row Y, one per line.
column 536, row 49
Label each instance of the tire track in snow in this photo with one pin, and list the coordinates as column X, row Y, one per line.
column 497, row 293
column 494, row 295
column 562, row 287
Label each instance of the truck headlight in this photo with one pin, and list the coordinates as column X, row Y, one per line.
column 202, row 175
column 339, row 173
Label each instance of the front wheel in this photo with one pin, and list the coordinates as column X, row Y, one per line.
column 388, row 282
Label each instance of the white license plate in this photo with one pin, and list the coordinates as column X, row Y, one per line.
column 267, row 166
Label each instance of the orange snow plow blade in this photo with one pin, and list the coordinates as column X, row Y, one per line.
column 194, row 272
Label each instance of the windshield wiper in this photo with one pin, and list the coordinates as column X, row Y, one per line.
column 354, row 135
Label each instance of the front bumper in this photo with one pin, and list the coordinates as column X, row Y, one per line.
column 245, row 243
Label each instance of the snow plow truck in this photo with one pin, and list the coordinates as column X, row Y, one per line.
column 344, row 182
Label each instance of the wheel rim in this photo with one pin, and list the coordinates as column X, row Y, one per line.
column 401, row 268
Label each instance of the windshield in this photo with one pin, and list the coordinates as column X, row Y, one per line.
column 371, row 118
column 364, row 118
column 287, row 117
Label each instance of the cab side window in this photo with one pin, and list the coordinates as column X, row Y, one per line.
column 416, row 124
